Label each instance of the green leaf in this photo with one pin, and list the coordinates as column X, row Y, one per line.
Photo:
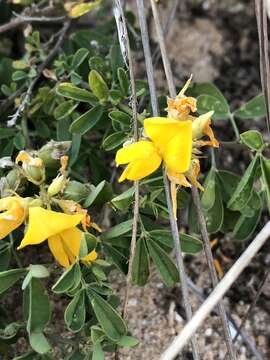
column 243, row 191
column 246, row 226
column 116, row 256
column 98, row 353
column 116, row 59
column 19, row 141
column 9, row 278
column 19, row 75
column 10, row 331
column 69, row 279
column 79, row 57
column 110, row 321
column 253, row 139
column 228, row 183
column 207, row 103
column 97, row 334
column 39, row 343
column 140, row 268
column 165, row 265
column 254, row 108
column 35, row 271
column 75, row 312
column 221, row 105
column 189, row 244
column 113, row 141
column 87, row 121
column 76, row 191
column 123, row 81
column 124, row 200
column 6, row 133
column 120, row 117
column 98, row 85
column 209, row 194
column 128, row 341
column 64, row 109
column 39, row 307
column 117, row 230
column 99, row 195
column 73, row 92
column 214, row 216
column 265, row 166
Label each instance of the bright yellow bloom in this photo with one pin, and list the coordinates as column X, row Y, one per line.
column 64, row 238
column 171, row 141
column 12, row 214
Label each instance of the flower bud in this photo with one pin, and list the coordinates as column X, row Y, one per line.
column 13, row 179
column 57, row 185
column 33, row 167
column 76, row 191
column 52, row 152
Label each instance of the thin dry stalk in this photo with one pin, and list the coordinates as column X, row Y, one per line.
column 195, row 194
column 220, row 290
column 124, row 40
column 261, row 17
column 173, row 222
column 27, row 97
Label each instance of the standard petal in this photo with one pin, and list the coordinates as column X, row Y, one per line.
column 141, row 168
column 138, row 150
column 45, row 223
column 57, row 249
column 162, row 130
column 178, row 151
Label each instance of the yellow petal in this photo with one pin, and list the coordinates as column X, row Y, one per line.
column 178, row 151
column 45, row 223
column 57, row 249
column 90, row 257
column 65, row 246
column 141, row 168
column 161, row 130
column 139, row 150
column 72, row 241
column 12, row 215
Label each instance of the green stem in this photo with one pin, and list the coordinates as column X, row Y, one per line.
column 235, row 128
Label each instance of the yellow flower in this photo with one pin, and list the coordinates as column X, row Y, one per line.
column 12, row 214
column 171, row 141
column 64, row 238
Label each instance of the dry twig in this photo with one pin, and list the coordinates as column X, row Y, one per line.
column 220, row 290
column 124, row 40
column 41, row 68
column 195, row 194
column 173, row 222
